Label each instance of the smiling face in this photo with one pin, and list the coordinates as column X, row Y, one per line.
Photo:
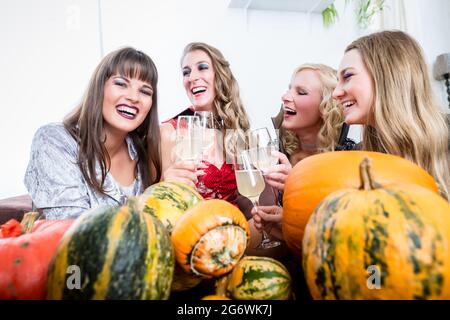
column 126, row 103
column 301, row 102
column 198, row 80
column 355, row 90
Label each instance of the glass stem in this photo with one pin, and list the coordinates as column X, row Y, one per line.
column 265, row 236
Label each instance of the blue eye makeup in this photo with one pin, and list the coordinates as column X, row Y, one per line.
column 203, row 66
column 119, row 83
column 186, row 72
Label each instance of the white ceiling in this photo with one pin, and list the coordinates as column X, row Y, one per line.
column 282, row 5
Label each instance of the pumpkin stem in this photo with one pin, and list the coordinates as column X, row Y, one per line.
column 221, row 286
column 367, row 182
column 28, row 221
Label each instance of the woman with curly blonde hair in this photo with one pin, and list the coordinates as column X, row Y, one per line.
column 210, row 86
column 328, row 117
column 384, row 85
column 310, row 122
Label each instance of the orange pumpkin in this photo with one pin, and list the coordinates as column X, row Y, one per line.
column 25, row 256
column 210, row 238
column 315, row 177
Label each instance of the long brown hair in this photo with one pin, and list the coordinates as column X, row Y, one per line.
column 408, row 122
column 85, row 123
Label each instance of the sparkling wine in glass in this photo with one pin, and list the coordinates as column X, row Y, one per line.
column 188, row 140
column 250, row 184
column 207, row 128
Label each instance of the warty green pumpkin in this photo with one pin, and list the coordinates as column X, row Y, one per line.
column 121, row 254
column 379, row 242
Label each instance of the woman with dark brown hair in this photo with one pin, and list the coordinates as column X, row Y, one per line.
column 101, row 153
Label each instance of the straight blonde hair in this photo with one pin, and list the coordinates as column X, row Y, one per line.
column 408, row 121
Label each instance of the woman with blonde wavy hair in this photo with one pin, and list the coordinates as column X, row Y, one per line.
column 210, row 86
column 384, row 85
column 310, row 122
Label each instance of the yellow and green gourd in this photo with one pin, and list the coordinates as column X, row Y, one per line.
column 121, row 253
column 379, row 242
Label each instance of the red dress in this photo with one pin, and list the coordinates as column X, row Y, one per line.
column 222, row 181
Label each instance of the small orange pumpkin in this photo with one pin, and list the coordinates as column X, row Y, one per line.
column 315, row 177
column 210, row 238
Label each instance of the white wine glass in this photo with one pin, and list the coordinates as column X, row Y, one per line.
column 261, row 137
column 263, row 158
column 188, row 139
column 250, row 184
column 207, row 129
column 263, row 145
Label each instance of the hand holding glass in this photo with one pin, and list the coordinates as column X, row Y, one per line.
column 250, row 183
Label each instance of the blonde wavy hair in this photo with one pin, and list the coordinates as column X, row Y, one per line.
column 227, row 104
column 331, row 114
column 408, row 121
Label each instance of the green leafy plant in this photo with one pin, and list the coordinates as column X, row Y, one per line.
column 365, row 12
column 330, row 15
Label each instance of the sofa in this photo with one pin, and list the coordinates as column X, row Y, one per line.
column 15, row 207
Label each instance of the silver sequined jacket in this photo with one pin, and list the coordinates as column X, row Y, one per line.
column 54, row 179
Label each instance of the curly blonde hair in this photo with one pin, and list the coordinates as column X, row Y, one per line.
column 227, row 104
column 331, row 114
column 408, row 122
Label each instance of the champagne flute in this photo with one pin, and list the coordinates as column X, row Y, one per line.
column 250, row 184
column 261, row 138
column 208, row 138
column 261, row 146
column 263, row 158
column 188, row 138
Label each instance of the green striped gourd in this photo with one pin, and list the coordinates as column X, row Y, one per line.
column 168, row 201
column 256, row 278
column 379, row 242
column 121, row 254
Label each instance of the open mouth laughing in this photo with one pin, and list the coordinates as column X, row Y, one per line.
column 348, row 104
column 128, row 112
column 289, row 111
column 196, row 91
